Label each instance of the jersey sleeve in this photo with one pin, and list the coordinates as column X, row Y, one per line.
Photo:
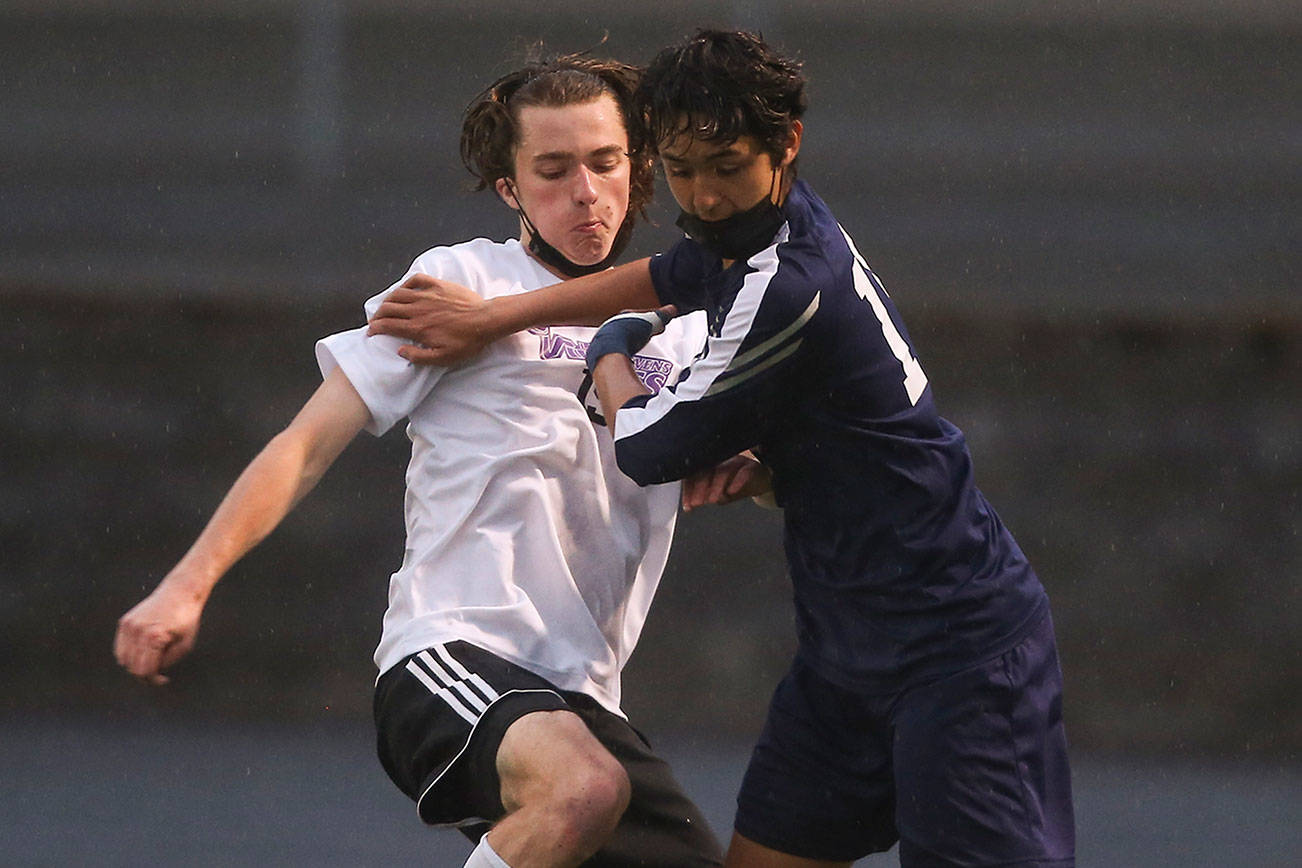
column 738, row 388
column 678, row 275
column 389, row 385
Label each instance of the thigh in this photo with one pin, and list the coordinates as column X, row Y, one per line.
column 820, row 784
column 662, row 826
column 981, row 764
column 440, row 717
column 548, row 753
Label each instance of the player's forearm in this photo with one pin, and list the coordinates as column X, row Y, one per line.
column 589, row 300
column 277, row 479
column 616, row 384
column 281, row 474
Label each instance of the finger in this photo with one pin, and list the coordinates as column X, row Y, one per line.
column 418, row 281
column 390, row 310
column 689, row 496
column 142, row 662
column 425, row 355
column 402, row 296
column 119, row 642
column 718, row 484
column 154, row 644
column 398, row 327
column 126, row 643
column 124, row 647
column 690, row 486
column 737, row 484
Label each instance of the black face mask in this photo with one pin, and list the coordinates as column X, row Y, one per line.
column 740, row 236
column 549, row 255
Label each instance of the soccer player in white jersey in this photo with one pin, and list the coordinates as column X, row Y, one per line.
column 530, row 560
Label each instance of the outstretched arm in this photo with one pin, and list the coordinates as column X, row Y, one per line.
column 447, row 323
column 161, row 629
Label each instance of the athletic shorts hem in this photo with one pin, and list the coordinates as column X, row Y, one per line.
column 524, row 701
column 763, row 835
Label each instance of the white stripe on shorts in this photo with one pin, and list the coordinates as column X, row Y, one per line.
column 489, row 693
column 442, row 693
column 443, row 683
column 445, row 678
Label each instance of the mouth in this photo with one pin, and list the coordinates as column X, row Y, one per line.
column 590, row 227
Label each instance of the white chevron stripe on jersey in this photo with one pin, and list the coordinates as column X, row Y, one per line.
column 442, row 693
column 781, row 337
column 721, row 351
column 738, row 372
column 722, row 385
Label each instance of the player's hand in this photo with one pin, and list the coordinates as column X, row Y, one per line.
column 158, row 631
column 738, row 477
column 445, row 322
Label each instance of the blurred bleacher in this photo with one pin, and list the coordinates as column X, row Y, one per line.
column 1087, row 212
column 1057, row 157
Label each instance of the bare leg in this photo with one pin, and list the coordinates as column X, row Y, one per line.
column 745, row 853
column 563, row 792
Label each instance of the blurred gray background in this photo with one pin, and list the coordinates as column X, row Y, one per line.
column 1088, row 213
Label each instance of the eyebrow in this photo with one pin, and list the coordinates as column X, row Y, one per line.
column 723, row 153
column 566, row 155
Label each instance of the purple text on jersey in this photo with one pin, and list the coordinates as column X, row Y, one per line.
column 653, row 372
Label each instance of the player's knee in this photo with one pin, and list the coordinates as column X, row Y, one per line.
column 589, row 804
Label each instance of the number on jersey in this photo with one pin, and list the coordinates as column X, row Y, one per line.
column 868, row 287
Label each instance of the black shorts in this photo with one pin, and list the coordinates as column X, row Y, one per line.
column 969, row 769
column 440, row 716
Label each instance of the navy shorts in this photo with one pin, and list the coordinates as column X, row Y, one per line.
column 440, row 716
column 968, row 769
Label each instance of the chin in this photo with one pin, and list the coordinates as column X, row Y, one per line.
column 587, row 255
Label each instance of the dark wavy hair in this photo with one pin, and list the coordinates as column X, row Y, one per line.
column 720, row 85
column 491, row 123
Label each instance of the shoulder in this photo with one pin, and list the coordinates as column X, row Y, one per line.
column 818, row 253
column 465, row 262
column 473, row 264
column 799, row 277
column 816, row 236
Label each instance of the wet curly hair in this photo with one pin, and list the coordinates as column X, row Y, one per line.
column 719, row 85
column 491, row 123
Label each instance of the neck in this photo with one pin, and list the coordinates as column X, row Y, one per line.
column 525, row 238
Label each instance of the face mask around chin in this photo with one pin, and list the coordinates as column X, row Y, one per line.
column 738, row 237
column 550, row 256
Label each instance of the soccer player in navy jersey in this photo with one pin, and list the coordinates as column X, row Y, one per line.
column 924, row 701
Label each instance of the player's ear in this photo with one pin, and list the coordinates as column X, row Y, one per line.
column 793, row 143
column 506, row 190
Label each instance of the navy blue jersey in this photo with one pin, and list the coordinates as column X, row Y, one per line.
column 899, row 566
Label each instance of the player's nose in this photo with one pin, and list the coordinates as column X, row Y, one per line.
column 585, row 187
column 706, row 201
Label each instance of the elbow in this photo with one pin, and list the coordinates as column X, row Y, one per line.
column 299, row 456
column 645, row 466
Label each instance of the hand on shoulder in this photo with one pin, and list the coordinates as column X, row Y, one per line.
column 445, row 322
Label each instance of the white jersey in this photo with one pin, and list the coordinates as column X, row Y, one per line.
column 523, row 537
